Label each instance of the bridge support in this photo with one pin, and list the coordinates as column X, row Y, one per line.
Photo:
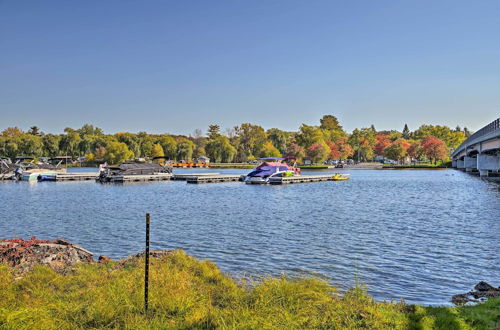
column 460, row 164
column 487, row 163
column 454, row 163
column 470, row 164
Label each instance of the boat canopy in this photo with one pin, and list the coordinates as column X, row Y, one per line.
column 268, row 168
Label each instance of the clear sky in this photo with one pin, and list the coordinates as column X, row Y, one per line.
column 174, row 66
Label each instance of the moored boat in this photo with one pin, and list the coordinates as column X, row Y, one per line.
column 107, row 173
column 340, row 177
column 272, row 167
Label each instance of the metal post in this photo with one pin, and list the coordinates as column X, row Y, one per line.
column 146, row 270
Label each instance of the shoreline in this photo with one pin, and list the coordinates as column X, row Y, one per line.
column 186, row 292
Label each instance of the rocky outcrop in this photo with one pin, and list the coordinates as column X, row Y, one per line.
column 481, row 292
column 23, row 255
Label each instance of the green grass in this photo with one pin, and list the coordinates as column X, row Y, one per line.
column 190, row 294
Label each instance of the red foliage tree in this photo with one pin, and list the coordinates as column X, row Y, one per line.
column 334, row 150
column 383, row 141
column 434, row 148
column 317, row 152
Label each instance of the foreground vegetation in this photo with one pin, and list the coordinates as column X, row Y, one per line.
column 186, row 293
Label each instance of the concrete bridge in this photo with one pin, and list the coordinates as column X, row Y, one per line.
column 480, row 153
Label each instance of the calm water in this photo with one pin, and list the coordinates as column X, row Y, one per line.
column 419, row 235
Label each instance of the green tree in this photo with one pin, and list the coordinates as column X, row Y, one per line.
column 269, row 150
column 50, row 144
column 309, row 135
column 185, row 150
column 132, row 141
column 363, row 142
column 213, row 131
column 330, row 123
column 279, row 139
column 34, row 130
column 251, row 139
column 117, row 152
column 220, row 150
column 169, row 146
column 69, row 142
column 406, row 132
column 89, row 129
column 157, row 152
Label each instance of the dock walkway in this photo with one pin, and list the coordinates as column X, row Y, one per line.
column 76, row 176
column 186, row 176
column 220, row 178
column 142, row 178
column 301, row 179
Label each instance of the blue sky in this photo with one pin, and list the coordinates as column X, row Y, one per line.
column 165, row 66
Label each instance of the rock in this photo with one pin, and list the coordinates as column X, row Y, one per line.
column 104, row 259
column 483, row 291
column 483, row 286
column 460, row 299
column 59, row 255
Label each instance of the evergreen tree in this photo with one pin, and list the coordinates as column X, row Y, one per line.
column 406, row 132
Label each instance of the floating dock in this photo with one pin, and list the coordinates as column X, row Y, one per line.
column 142, row 178
column 76, row 176
column 220, row 178
column 186, row 176
column 301, row 179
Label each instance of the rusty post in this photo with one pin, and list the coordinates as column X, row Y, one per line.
column 146, row 270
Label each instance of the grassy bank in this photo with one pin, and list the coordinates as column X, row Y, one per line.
column 186, row 293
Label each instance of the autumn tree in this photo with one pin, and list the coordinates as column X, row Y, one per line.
column 294, row 150
column 383, row 141
column 415, row 150
column 398, row 150
column 318, row 152
column 334, row 151
column 434, row 148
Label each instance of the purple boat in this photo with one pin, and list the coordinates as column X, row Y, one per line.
column 272, row 167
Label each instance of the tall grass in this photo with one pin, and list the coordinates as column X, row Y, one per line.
column 190, row 294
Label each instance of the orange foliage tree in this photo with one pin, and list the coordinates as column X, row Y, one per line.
column 434, row 148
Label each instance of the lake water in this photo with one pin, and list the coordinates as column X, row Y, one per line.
column 421, row 235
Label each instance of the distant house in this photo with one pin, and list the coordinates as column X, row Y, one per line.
column 203, row 160
column 306, row 161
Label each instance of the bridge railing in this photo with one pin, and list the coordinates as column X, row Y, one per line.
column 491, row 127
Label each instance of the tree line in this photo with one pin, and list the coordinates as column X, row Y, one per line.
column 246, row 142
